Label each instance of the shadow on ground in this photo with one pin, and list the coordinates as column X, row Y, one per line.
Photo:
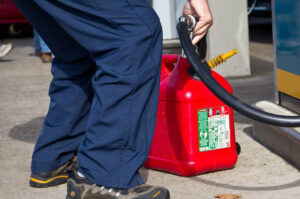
column 29, row 131
column 247, row 188
column 6, row 60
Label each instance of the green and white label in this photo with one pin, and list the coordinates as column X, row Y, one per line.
column 213, row 128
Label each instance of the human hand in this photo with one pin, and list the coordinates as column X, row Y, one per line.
column 199, row 9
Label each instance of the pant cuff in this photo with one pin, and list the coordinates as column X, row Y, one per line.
column 39, row 166
column 102, row 179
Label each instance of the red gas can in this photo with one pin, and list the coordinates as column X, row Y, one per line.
column 195, row 130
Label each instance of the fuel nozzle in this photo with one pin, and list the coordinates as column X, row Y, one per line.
column 221, row 58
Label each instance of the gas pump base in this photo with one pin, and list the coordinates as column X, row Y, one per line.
column 283, row 141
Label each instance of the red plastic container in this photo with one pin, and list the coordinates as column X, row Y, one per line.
column 194, row 130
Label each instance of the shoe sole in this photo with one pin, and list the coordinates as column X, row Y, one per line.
column 48, row 182
column 164, row 195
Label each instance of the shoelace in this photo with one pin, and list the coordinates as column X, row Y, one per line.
column 110, row 191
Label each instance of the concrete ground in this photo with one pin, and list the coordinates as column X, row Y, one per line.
column 24, row 80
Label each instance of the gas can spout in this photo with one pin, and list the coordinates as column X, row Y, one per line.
column 221, row 58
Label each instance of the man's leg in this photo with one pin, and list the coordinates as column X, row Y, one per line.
column 124, row 38
column 70, row 92
column 36, row 42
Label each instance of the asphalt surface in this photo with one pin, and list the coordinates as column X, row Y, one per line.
column 24, row 80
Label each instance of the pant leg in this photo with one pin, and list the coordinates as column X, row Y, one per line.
column 65, row 123
column 37, row 46
column 70, row 92
column 124, row 37
column 43, row 45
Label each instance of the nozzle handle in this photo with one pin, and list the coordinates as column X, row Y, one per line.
column 190, row 20
column 201, row 47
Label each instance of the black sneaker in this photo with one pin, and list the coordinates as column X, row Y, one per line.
column 82, row 188
column 54, row 177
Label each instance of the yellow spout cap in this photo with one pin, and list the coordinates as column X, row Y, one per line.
column 229, row 54
column 221, row 58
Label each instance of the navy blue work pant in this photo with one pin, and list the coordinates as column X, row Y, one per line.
column 105, row 86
